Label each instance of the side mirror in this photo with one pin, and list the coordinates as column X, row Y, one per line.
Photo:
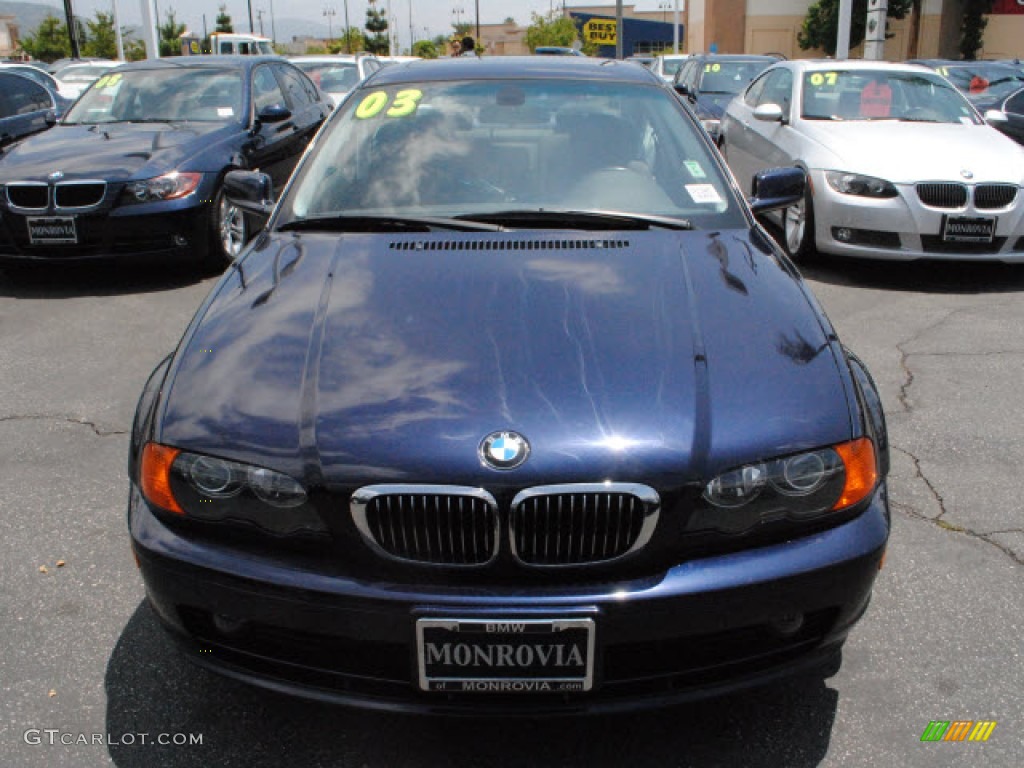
column 776, row 188
column 681, row 89
column 768, row 113
column 273, row 113
column 251, row 191
column 996, row 117
column 50, row 117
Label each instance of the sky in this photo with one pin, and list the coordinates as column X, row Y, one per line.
column 429, row 17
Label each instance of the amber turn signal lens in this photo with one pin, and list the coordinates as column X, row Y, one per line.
column 155, row 476
column 861, row 471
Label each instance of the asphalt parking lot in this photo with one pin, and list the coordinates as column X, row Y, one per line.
column 85, row 661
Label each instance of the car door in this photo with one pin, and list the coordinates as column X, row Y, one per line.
column 765, row 143
column 24, row 107
column 274, row 148
column 736, row 135
column 308, row 109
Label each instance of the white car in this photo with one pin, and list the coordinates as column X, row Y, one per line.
column 900, row 165
column 337, row 74
column 76, row 77
column 666, row 65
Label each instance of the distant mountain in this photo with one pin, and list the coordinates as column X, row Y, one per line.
column 286, row 29
column 28, row 16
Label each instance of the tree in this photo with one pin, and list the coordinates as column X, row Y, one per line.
column 425, row 49
column 354, row 37
column 462, row 29
column 972, row 27
column 821, row 25
column 377, row 23
column 100, row 38
column 554, row 29
column 49, row 42
column 170, row 32
column 509, row 20
column 223, row 20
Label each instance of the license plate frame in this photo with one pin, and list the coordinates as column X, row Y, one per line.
column 553, row 647
column 67, row 233
column 974, row 229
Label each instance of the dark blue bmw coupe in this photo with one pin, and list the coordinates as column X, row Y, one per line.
column 511, row 407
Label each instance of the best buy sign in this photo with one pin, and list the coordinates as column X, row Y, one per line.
column 600, row 31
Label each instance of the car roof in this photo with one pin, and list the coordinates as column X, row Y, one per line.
column 735, row 57
column 814, row 65
column 199, row 62
column 515, row 67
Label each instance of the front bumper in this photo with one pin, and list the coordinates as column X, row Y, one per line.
column 175, row 230
column 904, row 229
column 704, row 627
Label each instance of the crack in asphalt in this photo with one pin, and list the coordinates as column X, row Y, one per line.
column 945, row 525
column 908, row 374
column 96, row 428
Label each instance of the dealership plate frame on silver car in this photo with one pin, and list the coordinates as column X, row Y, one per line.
column 52, row 230
column 505, row 655
column 969, row 229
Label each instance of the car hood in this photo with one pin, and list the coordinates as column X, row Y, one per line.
column 941, row 151
column 655, row 357
column 113, row 152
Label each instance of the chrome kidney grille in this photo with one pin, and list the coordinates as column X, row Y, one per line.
column 943, row 195
column 991, row 196
column 432, row 524
column 28, row 195
column 548, row 526
column 578, row 524
column 78, row 194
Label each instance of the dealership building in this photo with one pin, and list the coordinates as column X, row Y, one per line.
column 771, row 26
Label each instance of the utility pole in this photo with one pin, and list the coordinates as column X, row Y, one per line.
column 874, row 33
column 259, row 15
column 412, row 35
column 348, row 36
column 843, row 35
column 273, row 26
column 478, row 22
column 252, row 27
column 72, row 30
column 675, row 30
column 618, row 29
column 117, row 33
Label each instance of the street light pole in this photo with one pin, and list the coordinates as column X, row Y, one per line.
column 329, row 13
column 252, row 27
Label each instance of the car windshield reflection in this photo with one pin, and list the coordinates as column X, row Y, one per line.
column 161, row 95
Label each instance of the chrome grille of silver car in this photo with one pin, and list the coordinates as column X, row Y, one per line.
column 578, row 524
column 989, row 196
column 942, row 194
column 430, row 524
column 28, row 195
column 78, row 194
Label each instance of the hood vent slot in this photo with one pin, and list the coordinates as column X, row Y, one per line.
column 502, row 244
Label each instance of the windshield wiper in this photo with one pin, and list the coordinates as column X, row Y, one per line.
column 528, row 218
column 365, row 222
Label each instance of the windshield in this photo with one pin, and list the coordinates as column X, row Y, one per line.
column 729, row 76
column 671, row 66
column 984, row 82
column 333, row 77
column 161, row 95
column 458, row 148
column 883, row 95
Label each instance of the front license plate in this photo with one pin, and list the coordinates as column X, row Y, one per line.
column 968, row 229
column 52, row 229
column 505, row 656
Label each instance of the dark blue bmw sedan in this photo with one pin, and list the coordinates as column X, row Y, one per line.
column 511, row 407
column 135, row 169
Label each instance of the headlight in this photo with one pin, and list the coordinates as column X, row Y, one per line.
column 798, row 487
column 862, row 186
column 170, row 186
column 218, row 490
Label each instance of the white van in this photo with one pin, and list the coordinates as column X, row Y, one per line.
column 228, row 43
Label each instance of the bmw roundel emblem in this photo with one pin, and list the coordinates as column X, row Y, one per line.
column 56, row 176
column 504, row 450
column 966, row 174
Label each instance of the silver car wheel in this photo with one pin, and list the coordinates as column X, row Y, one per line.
column 231, row 227
column 796, row 227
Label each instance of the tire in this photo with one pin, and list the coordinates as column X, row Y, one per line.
column 229, row 232
column 798, row 230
